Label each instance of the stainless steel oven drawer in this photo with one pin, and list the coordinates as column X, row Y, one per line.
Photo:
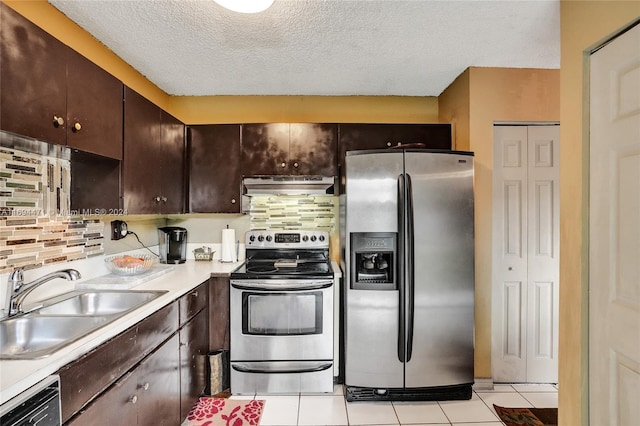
column 281, row 377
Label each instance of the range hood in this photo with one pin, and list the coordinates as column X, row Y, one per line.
column 288, row 185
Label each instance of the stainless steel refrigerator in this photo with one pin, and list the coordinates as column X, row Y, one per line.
column 409, row 284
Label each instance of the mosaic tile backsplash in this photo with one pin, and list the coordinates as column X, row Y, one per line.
column 294, row 212
column 36, row 227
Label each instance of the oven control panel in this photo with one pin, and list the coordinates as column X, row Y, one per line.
column 289, row 239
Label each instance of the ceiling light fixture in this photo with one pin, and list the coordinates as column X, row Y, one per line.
column 245, row 6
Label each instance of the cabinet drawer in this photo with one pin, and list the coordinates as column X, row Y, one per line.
column 84, row 378
column 193, row 302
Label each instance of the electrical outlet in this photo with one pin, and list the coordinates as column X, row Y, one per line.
column 118, row 229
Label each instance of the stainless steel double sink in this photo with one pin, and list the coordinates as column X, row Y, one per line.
column 64, row 319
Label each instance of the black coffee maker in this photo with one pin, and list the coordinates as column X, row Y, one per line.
column 173, row 244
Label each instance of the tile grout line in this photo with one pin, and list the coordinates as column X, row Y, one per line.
column 490, row 408
column 445, row 413
column 396, row 413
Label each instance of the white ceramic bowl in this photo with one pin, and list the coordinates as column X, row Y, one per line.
column 130, row 264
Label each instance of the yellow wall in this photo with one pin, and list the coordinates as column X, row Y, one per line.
column 323, row 109
column 454, row 107
column 583, row 23
column 231, row 109
column 493, row 95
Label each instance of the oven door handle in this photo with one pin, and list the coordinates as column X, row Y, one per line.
column 281, row 285
column 250, row 368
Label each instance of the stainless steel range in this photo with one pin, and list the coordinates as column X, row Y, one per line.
column 282, row 314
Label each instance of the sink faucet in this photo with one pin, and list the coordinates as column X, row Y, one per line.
column 18, row 290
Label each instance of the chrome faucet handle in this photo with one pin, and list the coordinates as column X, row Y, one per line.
column 15, row 281
column 16, row 278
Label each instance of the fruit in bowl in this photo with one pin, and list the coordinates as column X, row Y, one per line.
column 130, row 264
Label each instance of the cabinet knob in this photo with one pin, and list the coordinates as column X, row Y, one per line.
column 295, row 165
column 145, row 386
column 133, row 399
column 164, row 199
column 233, row 201
column 156, row 199
column 283, row 165
column 510, row 268
column 76, row 127
column 388, row 143
column 58, row 121
column 194, row 294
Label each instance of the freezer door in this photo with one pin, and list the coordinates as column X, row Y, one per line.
column 440, row 269
column 372, row 317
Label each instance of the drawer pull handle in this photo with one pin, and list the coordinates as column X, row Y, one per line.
column 145, row 386
column 133, row 399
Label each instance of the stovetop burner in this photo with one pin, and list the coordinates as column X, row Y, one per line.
column 262, row 269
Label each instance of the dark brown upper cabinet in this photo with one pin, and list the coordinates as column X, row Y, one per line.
column 289, row 149
column 360, row 136
column 172, row 172
column 94, row 108
column 153, row 163
column 52, row 93
column 214, row 168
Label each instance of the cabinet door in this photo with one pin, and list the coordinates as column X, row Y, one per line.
column 358, row 136
column 94, row 108
column 172, row 175
column 117, row 406
column 142, row 154
column 158, row 384
column 214, row 168
column 313, row 149
column 33, row 75
column 383, row 136
column 265, row 149
column 194, row 346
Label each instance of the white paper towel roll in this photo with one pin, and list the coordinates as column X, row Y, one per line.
column 228, row 251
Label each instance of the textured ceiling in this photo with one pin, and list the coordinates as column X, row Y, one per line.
column 321, row 47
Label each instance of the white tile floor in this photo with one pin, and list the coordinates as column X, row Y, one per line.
column 332, row 409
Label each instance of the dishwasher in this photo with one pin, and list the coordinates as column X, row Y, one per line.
column 39, row 405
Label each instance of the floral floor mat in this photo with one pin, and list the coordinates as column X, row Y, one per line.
column 210, row 411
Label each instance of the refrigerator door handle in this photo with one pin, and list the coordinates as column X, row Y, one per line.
column 401, row 287
column 411, row 282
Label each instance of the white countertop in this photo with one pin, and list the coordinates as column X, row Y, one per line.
column 18, row 375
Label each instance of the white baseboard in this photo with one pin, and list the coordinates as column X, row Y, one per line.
column 483, row 384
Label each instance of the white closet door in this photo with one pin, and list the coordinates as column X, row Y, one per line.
column 543, row 265
column 614, row 232
column 525, row 258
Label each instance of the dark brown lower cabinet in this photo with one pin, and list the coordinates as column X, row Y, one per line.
column 193, row 361
column 150, row 374
column 147, row 395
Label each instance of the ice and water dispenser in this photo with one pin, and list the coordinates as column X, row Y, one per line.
column 373, row 261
